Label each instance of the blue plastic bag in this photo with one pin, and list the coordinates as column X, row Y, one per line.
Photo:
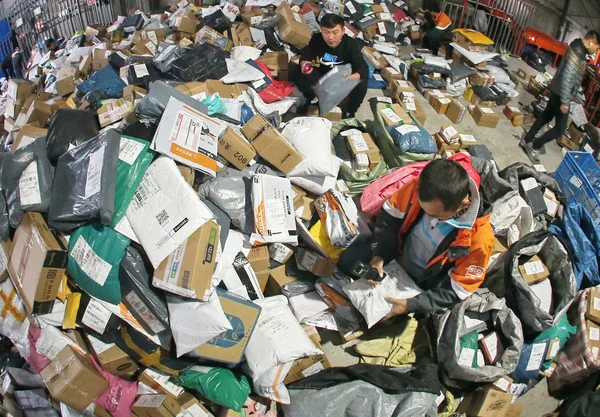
column 531, row 360
column 247, row 114
column 412, row 138
column 373, row 82
column 106, row 80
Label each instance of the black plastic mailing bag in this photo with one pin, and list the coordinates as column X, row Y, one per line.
column 85, row 183
column 505, row 280
column 217, row 21
column 167, row 54
column 27, row 180
column 201, row 63
column 485, row 306
column 68, row 127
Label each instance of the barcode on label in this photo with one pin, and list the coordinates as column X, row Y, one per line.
column 94, row 173
column 96, row 316
column 29, row 186
column 142, row 309
column 162, row 218
column 90, row 263
column 147, row 189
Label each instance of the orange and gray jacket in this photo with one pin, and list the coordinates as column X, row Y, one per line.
column 458, row 266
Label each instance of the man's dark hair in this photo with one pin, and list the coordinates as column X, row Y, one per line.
column 48, row 42
column 331, row 20
column 592, row 35
column 433, row 6
column 445, row 181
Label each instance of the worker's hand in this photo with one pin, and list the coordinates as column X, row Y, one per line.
column 564, row 109
column 399, row 307
column 355, row 76
column 303, row 65
column 377, row 263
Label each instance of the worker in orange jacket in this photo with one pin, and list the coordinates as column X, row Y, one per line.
column 434, row 227
column 437, row 28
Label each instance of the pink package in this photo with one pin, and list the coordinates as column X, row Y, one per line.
column 38, row 362
column 119, row 396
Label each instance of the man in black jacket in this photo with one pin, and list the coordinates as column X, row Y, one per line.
column 326, row 50
column 564, row 88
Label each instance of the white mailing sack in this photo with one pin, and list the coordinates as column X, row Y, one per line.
column 165, row 210
column 188, row 136
column 274, row 217
column 370, row 300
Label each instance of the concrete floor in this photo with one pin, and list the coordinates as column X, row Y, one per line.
column 503, row 144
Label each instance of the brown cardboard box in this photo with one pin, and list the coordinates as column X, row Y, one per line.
column 112, row 359
column 280, row 253
column 292, row 27
column 269, row 144
column 253, row 16
column 374, row 57
column 456, row 111
column 575, row 134
column 113, row 112
column 236, row 149
column 225, row 90
column 193, row 263
column 263, row 278
column 305, row 367
column 492, row 348
column 534, row 270
column 277, row 279
column 468, row 45
column 443, row 146
column 467, row 140
column 185, row 24
column 37, row 263
column 241, row 35
column 12, row 109
column 485, row 116
column 514, row 410
column 230, row 346
column 400, row 86
column 276, row 61
column 40, row 111
column 485, row 402
column 334, row 115
column 86, row 65
column 308, row 209
column 568, row 143
column 132, row 92
column 441, row 104
column 312, row 262
column 364, row 144
column 158, row 405
column 553, row 348
column 160, row 383
column 449, row 133
column 593, row 306
column 504, row 384
column 19, row 89
column 65, row 80
column 393, row 114
column 593, row 336
column 72, row 379
column 259, row 258
column 389, row 74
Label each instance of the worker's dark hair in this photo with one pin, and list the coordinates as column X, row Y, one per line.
column 433, row 6
column 331, row 20
column 445, row 181
column 592, row 35
column 48, row 42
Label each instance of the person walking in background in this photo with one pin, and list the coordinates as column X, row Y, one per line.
column 563, row 88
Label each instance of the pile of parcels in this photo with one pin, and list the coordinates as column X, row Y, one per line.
column 169, row 248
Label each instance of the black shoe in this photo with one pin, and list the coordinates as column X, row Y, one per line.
column 533, row 154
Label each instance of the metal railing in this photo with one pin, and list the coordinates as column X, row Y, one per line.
column 36, row 20
column 507, row 19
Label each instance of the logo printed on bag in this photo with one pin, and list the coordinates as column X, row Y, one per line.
column 474, row 272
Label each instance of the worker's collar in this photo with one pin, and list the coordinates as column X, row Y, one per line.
column 467, row 219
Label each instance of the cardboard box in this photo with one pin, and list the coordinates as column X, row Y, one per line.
column 492, row 348
column 112, row 359
column 504, row 384
column 40, row 111
column 514, row 410
column 277, row 280
column 400, row 86
column 305, row 367
column 230, row 346
column 259, row 258
column 155, row 405
column 534, row 270
column 335, row 115
column 566, row 142
column 131, row 93
column 72, row 379
column 19, row 90
column 65, row 80
column 444, row 146
column 280, row 253
column 481, row 79
column 11, row 108
column 374, row 57
column 575, row 134
column 362, row 143
column 198, row 150
column 113, row 112
column 86, row 65
column 37, row 263
column 449, row 133
column 389, row 74
column 160, row 383
column 314, row 263
column 463, row 41
column 467, row 140
column 485, row 116
column 263, row 278
column 393, row 114
column 552, row 203
column 185, row 24
column 236, row 149
column 485, row 402
column 441, row 104
column 456, row 111
column 253, row 16
column 188, row 271
column 292, row 27
column 553, row 349
column 276, row 61
column 593, row 336
column 593, row 305
column 271, row 145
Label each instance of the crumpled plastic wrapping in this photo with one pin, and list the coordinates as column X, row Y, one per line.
column 487, row 306
column 340, row 216
column 241, row 72
column 505, row 280
column 167, row 54
column 332, row 88
column 106, row 80
column 27, row 180
column 230, row 191
column 85, row 182
column 201, row 63
column 61, row 133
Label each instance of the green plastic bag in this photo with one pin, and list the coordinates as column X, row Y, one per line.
column 391, row 153
column 219, row 385
column 95, row 252
column 470, row 341
column 357, row 181
column 134, row 160
column 563, row 330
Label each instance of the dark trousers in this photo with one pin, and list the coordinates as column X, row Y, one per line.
column 434, row 38
column 552, row 112
column 305, row 83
